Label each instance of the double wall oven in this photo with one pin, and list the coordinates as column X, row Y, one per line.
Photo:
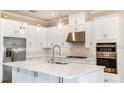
column 106, row 54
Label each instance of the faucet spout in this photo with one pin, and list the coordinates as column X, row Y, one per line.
column 53, row 52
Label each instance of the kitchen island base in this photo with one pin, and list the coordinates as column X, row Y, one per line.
column 27, row 76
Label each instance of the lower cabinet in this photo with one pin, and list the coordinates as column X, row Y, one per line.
column 25, row 76
column 43, row 78
column 53, row 79
column 33, row 77
column 111, row 78
column 20, row 76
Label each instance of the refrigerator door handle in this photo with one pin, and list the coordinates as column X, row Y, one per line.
column 12, row 57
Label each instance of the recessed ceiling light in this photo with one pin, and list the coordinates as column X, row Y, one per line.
column 52, row 13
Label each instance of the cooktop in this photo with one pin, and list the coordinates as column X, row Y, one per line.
column 76, row 56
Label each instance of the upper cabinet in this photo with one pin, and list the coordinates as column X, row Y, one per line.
column 36, row 38
column 46, row 37
column 76, row 28
column 107, row 28
column 77, row 19
column 52, row 36
column 77, row 22
column 89, row 35
column 13, row 28
column 41, row 37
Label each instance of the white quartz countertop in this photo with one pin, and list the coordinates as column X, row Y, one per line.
column 66, row 71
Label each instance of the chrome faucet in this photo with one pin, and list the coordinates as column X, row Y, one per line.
column 53, row 52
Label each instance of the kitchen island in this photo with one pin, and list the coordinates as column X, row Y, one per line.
column 43, row 72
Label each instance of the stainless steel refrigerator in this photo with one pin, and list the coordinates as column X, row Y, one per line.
column 14, row 51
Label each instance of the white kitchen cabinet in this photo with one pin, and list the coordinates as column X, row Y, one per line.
column 33, row 77
column 14, row 28
column 36, row 38
column 112, row 28
column 63, row 37
column 77, row 19
column 106, row 28
column 51, row 36
column 77, row 22
column 20, row 75
column 53, row 79
column 54, row 36
column 89, row 35
column 46, row 37
column 41, row 38
column 43, row 78
column 99, row 30
column 76, row 28
column 31, row 37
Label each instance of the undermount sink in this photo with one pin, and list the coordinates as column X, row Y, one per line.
column 58, row 62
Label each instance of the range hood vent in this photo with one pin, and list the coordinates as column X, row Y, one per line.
column 76, row 37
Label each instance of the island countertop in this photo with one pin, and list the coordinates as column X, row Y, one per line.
column 70, row 70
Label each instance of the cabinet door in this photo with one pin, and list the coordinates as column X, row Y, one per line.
column 2, row 26
column 77, row 19
column 77, row 28
column 63, row 36
column 31, row 40
column 52, row 36
column 100, row 30
column 112, row 28
column 107, row 28
column 90, row 35
column 20, row 75
column 43, row 78
column 14, row 28
column 41, row 38
column 22, row 30
column 11, row 27
column 33, row 77
column 53, row 79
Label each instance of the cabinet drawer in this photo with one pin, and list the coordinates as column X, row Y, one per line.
column 77, row 28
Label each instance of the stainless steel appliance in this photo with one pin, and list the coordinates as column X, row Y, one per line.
column 14, row 50
column 107, row 56
column 76, row 37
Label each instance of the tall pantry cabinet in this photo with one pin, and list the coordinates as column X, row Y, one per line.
column 111, row 29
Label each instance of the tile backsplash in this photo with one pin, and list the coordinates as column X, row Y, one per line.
column 74, row 50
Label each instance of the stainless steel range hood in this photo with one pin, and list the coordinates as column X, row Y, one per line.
column 76, row 37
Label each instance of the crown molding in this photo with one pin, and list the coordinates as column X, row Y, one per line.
column 6, row 13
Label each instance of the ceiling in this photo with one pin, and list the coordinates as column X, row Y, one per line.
column 44, row 14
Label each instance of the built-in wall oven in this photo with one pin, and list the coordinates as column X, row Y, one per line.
column 106, row 54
